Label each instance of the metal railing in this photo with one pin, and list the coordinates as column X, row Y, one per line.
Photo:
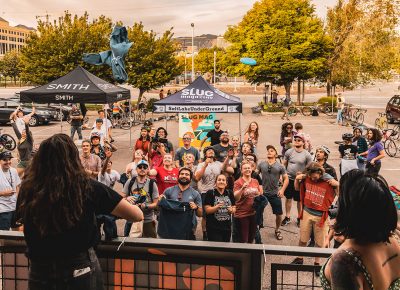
column 176, row 264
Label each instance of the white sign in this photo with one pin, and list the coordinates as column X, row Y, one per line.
column 196, row 109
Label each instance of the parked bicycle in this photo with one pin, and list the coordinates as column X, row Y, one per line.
column 381, row 122
column 391, row 142
column 325, row 108
column 7, row 141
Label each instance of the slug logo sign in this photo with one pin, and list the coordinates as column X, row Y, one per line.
column 197, row 94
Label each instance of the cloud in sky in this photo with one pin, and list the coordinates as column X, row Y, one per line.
column 209, row 16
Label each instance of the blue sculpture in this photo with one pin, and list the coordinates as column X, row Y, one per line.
column 120, row 45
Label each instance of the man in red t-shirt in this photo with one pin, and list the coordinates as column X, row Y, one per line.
column 166, row 175
column 316, row 196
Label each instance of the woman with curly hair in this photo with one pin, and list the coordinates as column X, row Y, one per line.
column 287, row 134
column 251, row 135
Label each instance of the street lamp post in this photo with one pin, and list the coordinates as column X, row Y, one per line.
column 192, row 24
column 215, row 64
column 185, row 70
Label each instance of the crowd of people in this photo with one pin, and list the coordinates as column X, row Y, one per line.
column 168, row 191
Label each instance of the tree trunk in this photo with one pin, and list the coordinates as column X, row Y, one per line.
column 303, row 91
column 141, row 92
column 328, row 88
column 298, row 91
column 287, row 86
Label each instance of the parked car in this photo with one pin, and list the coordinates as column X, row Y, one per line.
column 41, row 116
column 64, row 108
column 393, row 109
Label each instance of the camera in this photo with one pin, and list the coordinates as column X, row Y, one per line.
column 333, row 211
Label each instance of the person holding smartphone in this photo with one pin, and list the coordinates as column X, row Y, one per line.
column 9, row 188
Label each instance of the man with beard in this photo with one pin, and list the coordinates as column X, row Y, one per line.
column 221, row 149
column 206, row 174
column 214, row 134
column 91, row 162
column 295, row 160
column 321, row 155
column 182, row 192
column 186, row 149
column 166, row 175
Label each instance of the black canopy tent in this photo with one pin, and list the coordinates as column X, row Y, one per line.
column 200, row 97
column 78, row 86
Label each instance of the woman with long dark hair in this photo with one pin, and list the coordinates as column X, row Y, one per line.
column 57, row 204
column 375, row 151
column 143, row 143
column 369, row 257
column 287, row 135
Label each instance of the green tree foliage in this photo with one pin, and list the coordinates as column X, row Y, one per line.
column 150, row 61
column 9, row 65
column 286, row 39
column 364, row 37
column 58, row 47
column 204, row 60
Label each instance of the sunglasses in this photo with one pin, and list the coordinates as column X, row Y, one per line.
column 297, row 139
column 289, row 127
column 269, row 168
column 142, row 166
column 186, row 138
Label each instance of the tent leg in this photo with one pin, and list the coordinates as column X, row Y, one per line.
column 105, row 125
column 130, row 123
column 61, row 119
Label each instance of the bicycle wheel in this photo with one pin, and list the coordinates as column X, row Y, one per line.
column 360, row 118
column 306, row 111
column 8, row 142
column 328, row 110
column 292, row 111
column 390, row 148
column 125, row 123
column 396, row 133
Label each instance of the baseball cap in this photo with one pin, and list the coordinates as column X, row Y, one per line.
column 5, row 155
column 299, row 136
column 95, row 135
column 143, row 162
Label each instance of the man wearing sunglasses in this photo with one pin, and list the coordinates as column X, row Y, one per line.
column 295, row 160
column 143, row 192
column 9, row 188
column 186, row 149
column 271, row 172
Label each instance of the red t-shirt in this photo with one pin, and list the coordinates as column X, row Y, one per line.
column 166, row 178
column 244, row 206
column 144, row 145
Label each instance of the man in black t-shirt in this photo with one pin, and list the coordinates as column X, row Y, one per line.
column 214, row 134
column 221, row 149
column 76, row 122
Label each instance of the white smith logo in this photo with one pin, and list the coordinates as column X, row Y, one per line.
column 77, row 87
column 196, row 94
column 64, row 98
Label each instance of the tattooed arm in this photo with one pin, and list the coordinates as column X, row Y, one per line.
column 345, row 274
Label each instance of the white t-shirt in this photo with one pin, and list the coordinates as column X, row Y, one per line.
column 101, row 132
column 109, row 179
column 8, row 180
column 207, row 182
column 20, row 124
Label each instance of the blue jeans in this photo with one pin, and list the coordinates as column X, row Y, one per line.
column 5, row 220
column 79, row 272
column 77, row 129
column 339, row 117
column 109, row 227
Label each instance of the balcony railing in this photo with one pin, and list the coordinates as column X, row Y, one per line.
column 174, row 264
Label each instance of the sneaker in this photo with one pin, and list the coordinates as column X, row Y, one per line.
column 298, row 222
column 285, row 221
column 297, row 261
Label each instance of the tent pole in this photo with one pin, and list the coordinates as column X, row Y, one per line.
column 61, row 118
column 240, row 127
column 105, row 125
column 166, row 123
column 130, row 123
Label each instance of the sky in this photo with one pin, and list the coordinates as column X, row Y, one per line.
column 208, row 16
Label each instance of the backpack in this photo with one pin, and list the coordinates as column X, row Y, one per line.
column 151, row 185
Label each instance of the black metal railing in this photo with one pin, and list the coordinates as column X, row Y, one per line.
column 174, row 264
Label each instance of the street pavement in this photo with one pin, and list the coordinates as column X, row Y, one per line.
column 322, row 129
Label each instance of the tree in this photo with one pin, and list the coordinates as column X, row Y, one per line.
column 204, row 60
column 9, row 65
column 58, row 47
column 286, row 39
column 150, row 61
column 364, row 40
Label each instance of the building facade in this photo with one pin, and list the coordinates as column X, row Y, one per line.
column 12, row 37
